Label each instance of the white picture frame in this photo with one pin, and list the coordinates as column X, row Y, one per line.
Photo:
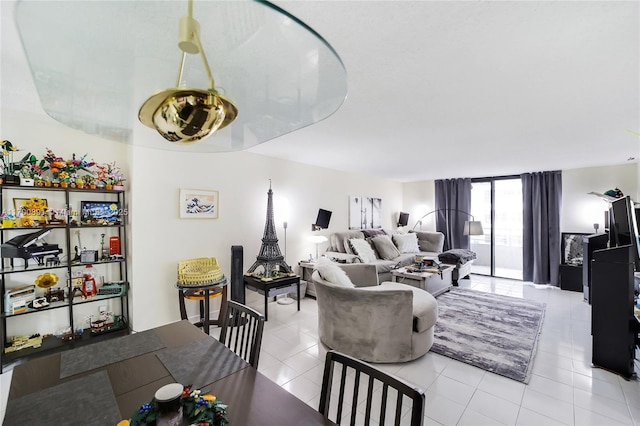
column 365, row 212
column 199, row 204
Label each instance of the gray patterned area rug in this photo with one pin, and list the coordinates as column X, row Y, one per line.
column 493, row 332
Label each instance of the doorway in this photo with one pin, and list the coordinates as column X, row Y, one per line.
column 497, row 203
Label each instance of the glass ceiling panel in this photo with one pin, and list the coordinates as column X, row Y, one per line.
column 94, row 63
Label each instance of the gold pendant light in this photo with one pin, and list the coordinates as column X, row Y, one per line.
column 186, row 114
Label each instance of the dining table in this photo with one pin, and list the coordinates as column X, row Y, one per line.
column 108, row 381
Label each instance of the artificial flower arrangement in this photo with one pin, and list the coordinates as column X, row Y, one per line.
column 7, row 156
column 61, row 172
column 109, row 174
column 200, row 409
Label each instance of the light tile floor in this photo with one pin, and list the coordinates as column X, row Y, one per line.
column 564, row 389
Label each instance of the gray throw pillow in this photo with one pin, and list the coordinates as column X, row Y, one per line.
column 370, row 233
column 430, row 241
column 385, row 247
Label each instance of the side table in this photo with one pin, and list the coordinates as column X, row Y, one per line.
column 270, row 288
column 306, row 270
column 203, row 293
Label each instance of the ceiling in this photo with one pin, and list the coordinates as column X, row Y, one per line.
column 442, row 89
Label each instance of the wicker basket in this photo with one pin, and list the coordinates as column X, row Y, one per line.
column 200, row 271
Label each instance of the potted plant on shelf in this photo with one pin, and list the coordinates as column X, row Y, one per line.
column 89, row 181
column 110, row 175
column 64, row 178
column 55, row 165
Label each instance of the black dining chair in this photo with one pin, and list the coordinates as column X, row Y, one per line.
column 242, row 331
column 384, row 392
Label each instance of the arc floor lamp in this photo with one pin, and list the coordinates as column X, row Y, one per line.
column 471, row 227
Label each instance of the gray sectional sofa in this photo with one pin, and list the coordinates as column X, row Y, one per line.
column 429, row 245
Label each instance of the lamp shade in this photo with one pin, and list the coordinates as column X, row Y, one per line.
column 317, row 239
column 473, row 227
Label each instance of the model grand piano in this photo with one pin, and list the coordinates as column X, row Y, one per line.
column 30, row 246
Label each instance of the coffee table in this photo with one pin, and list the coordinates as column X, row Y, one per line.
column 433, row 282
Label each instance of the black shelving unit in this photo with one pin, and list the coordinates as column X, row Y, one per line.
column 613, row 326
column 10, row 273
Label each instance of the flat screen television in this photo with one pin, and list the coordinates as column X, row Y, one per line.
column 403, row 220
column 322, row 221
column 625, row 226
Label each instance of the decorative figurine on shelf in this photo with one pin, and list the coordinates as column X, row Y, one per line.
column 54, row 295
column 616, row 193
column 104, row 251
column 89, row 288
column 47, row 280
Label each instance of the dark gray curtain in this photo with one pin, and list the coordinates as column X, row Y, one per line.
column 542, row 197
column 453, row 200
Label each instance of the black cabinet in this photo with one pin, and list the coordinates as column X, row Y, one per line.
column 90, row 299
column 613, row 326
column 590, row 244
column 571, row 277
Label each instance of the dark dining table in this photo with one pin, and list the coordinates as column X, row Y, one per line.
column 105, row 382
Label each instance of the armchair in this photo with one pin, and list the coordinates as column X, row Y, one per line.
column 390, row 322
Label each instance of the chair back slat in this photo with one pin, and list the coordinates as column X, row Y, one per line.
column 241, row 331
column 378, row 383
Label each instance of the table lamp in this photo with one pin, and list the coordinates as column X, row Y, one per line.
column 317, row 240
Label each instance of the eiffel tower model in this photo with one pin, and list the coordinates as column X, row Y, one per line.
column 270, row 258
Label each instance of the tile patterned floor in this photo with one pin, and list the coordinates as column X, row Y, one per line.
column 564, row 389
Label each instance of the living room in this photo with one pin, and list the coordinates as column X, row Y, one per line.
column 159, row 238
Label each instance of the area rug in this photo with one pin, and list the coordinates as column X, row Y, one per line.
column 490, row 331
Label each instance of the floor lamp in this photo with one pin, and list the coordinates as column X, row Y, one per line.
column 285, row 300
column 471, row 227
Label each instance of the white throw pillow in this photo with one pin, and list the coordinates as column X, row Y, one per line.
column 331, row 272
column 363, row 249
column 407, row 243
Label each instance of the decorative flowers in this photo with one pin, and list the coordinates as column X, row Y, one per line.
column 109, row 173
column 34, row 207
column 7, row 152
column 198, row 408
column 47, row 280
column 54, row 168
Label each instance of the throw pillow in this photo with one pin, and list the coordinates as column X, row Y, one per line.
column 385, row 247
column 430, row 241
column 363, row 249
column 407, row 243
column 334, row 274
column 373, row 232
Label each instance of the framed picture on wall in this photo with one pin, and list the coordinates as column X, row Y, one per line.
column 199, row 204
column 365, row 212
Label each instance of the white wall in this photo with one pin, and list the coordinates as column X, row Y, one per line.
column 418, row 200
column 581, row 210
column 158, row 239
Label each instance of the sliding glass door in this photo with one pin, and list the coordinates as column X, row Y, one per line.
column 497, row 203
